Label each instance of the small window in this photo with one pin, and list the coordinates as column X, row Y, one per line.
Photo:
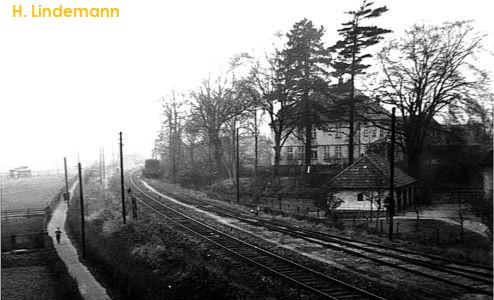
column 327, row 153
column 338, row 132
column 360, row 197
column 301, row 152
column 314, row 132
column 313, row 154
column 338, row 152
column 289, row 153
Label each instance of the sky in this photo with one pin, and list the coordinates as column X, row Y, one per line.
column 69, row 86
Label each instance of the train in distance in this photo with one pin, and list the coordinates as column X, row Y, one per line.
column 152, row 168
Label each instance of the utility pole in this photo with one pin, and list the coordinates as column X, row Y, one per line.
column 83, row 239
column 122, row 189
column 66, row 196
column 391, row 204
column 238, row 171
column 256, row 137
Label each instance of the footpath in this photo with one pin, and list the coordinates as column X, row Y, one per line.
column 89, row 288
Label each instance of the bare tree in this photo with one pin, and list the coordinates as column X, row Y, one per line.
column 214, row 104
column 267, row 87
column 428, row 70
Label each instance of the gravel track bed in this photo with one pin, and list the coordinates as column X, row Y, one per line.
column 390, row 292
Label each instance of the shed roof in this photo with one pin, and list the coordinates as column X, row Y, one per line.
column 370, row 171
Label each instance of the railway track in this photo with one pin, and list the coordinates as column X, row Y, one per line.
column 470, row 277
column 311, row 280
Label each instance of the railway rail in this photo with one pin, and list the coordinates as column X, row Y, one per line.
column 471, row 277
column 311, row 280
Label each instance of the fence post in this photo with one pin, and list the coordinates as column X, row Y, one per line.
column 298, row 210
column 307, row 211
column 437, row 236
column 318, row 213
column 381, row 227
column 397, row 229
column 12, row 241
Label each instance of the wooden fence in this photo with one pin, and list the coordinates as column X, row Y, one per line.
column 22, row 213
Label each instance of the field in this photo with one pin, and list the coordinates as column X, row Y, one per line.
column 31, row 192
column 26, row 193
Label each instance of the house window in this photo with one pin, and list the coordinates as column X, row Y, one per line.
column 366, row 131
column 382, row 132
column 313, row 154
column 327, row 152
column 363, row 148
column 289, row 153
column 301, row 152
column 338, row 132
column 314, row 132
column 373, row 132
column 338, row 152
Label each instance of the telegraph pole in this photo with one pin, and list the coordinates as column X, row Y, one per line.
column 391, row 205
column 238, row 170
column 83, row 245
column 66, row 196
column 122, row 179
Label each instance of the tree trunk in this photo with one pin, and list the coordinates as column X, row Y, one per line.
column 217, row 150
column 277, row 153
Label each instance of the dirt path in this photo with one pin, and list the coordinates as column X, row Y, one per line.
column 88, row 286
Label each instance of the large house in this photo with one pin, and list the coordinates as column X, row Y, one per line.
column 330, row 142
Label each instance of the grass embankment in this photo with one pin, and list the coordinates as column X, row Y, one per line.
column 147, row 259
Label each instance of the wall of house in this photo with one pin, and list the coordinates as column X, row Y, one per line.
column 330, row 145
column 350, row 201
column 403, row 198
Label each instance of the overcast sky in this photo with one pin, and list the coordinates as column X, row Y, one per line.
column 69, row 85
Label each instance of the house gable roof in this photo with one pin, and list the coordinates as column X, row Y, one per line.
column 368, row 172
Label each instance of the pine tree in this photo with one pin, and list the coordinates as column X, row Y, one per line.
column 349, row 61
column 305, row 61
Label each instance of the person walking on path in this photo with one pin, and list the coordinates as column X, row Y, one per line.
column 58, row 232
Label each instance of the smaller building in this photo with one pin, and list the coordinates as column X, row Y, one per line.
column 365, row 184
column 20, row 172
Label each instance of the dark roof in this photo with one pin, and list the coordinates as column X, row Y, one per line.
column 365, row 107
column 370, row 171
